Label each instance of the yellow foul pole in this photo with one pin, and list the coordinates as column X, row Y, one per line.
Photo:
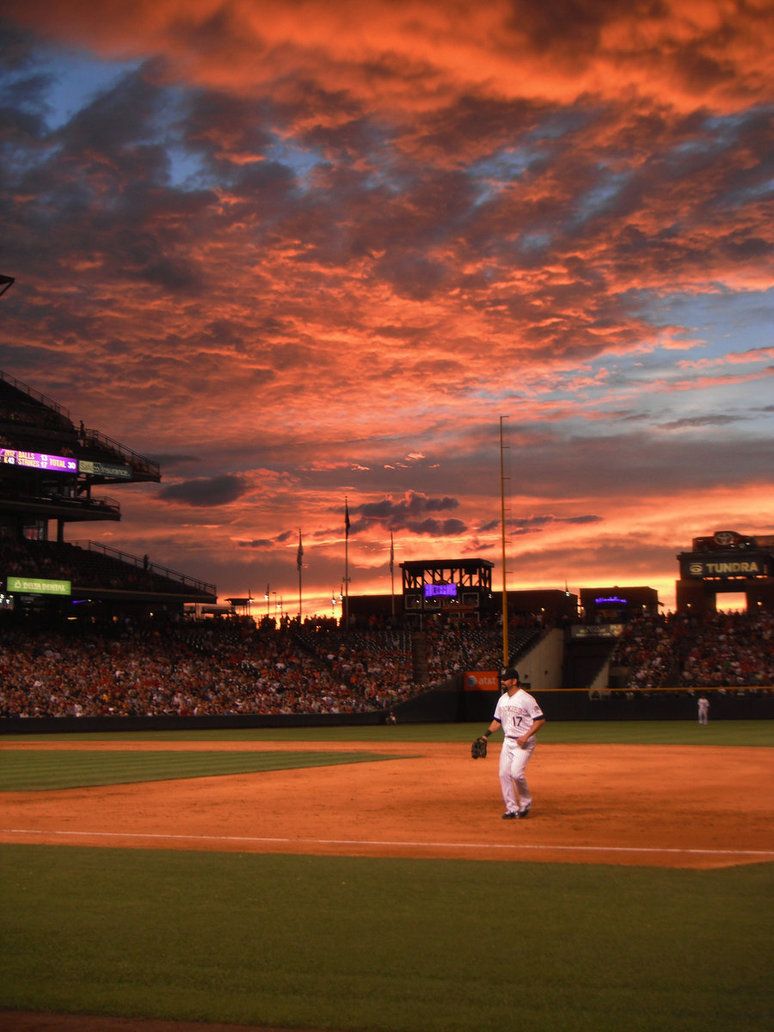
column 502, row 527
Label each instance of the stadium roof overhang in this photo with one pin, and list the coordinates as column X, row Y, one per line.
column 73, row 512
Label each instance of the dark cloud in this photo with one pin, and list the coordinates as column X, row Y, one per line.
column 412, row 274
column 528, row 524
column 206, row 491
column 269, row 542
column 226, row 129
column 402, row 514
column 117, row 121
column 97, row 194
column 574, row 22
column 171, row 273
column 18, row 48
column 173, row 460
column 699, row 421
column 436, row 528
column 412, row 504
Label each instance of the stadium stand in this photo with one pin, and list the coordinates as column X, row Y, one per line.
column 223, row 667
column 112, row 642
column 49, row 472
column 721, row 650
column 190, row 669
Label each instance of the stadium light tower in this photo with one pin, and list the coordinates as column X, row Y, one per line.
column 5, row 283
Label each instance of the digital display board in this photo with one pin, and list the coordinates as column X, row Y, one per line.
column 38, row 460
column 38, row 586
column 727, row 565
column 440, row 590
column 104, row 469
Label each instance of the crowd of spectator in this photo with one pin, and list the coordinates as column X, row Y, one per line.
column 194, row 669
column 721, row 650
column 222, row 667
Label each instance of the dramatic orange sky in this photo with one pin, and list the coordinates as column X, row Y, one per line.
column 303, row 251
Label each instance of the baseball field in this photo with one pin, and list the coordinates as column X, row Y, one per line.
column 362, row 879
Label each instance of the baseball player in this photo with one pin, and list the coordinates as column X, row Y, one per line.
column 519, row 715
column 704, row 710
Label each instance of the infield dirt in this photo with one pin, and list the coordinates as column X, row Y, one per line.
column 666, row 806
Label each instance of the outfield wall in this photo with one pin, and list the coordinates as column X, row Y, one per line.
column 665, row 704
column 60, row 725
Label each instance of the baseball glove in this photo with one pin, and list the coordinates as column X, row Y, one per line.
column 478, row 748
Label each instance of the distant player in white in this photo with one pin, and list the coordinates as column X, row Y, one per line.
column 704, row 710
column 520, row 717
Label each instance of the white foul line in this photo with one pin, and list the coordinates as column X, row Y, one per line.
column 393, row 843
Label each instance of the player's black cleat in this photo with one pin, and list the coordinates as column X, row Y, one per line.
column 510, row 815
column 523, row 814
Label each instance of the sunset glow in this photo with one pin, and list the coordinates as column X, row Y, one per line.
column 303, row 251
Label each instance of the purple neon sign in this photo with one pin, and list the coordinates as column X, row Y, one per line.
column 440, row 590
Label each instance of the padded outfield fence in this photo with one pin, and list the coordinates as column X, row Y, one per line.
column 627, row 704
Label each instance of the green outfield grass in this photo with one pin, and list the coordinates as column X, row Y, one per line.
column 587, row 732
column 389, row 945
column 38, row 769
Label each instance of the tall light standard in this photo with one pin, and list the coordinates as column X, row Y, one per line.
column 506, row 650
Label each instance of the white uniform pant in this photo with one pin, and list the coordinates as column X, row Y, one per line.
column 513, row 762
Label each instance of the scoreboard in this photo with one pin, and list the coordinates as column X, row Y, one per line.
column 38, row 460
column 62, row 464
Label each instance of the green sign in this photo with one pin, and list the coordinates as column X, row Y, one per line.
column 104, row 469
column 39, row 586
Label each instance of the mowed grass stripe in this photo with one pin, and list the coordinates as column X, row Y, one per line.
column 566, row 732
column 36, row 770
column 398, row 945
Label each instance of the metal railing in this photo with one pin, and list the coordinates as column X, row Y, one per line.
column 37, row 395
column 95, row 436
column 142, row 563
column 132, row 457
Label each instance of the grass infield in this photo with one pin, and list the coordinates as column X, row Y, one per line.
column 399, row 945
column 39, row 769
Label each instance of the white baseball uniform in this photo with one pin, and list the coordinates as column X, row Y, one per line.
column 516, row 713
column 703, row 710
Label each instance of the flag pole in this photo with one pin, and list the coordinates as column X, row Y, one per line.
column 299, row 564
column 392, row 573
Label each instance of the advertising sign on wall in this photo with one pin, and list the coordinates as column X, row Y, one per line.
column 482, row 681
column 751, row 564
column 104, row 469
column 39, row 586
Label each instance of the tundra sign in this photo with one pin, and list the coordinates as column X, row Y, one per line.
column 751, row 564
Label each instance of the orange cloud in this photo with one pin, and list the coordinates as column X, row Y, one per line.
column 316, row 249
column 420, row 55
